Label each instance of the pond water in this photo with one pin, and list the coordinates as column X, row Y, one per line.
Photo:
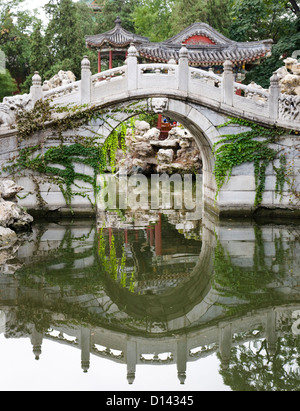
column 152, row 302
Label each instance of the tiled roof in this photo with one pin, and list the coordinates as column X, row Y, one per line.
column 220, row 49
column 117, row 37
column 206, row 54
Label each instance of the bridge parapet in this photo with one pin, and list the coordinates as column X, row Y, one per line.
column 218, row 92
column 269, row 107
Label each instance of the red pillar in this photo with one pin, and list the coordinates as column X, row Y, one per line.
column 110, row 59
column 159, row 121
column 99, row 61
column 238, row 91
column 158, row 239
column 151, row 235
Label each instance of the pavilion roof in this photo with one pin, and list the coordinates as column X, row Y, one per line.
column 205, row 45
column 117, row 37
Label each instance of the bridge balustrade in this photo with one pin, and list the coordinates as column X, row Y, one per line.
column 270, row 107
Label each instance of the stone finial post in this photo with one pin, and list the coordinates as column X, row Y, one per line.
column 183, row 69
column 131, row 358
column 181, row 359
column 36, row 89
column 227, row 83
column 274, row 96
column 85, row 345
column 85, row 81
column 132, row 68
column 225, row 344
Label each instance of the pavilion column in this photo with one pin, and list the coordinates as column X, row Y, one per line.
column 110, row 59
column 131, row 358
column 99, row 61
column 158, row 237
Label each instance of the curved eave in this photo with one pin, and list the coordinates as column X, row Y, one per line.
column 213, row 55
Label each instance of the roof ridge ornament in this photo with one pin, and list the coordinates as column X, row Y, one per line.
column 118, row 21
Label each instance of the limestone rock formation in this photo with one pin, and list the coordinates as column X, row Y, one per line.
column 60, row 79
column 147, row 154
column 11, row 215
column 289, row 76
column 7, row 238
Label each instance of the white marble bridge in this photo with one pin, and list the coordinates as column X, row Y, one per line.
column 202, row 102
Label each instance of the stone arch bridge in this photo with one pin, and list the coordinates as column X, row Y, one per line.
column 202, row 101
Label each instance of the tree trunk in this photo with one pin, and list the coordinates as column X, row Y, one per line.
column 295, row 7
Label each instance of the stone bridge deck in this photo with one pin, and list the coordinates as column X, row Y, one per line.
column 202, row 101
column 180, row 81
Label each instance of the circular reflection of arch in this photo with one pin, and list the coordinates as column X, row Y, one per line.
column 173, row 304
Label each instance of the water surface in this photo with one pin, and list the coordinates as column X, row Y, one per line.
column 151, row 301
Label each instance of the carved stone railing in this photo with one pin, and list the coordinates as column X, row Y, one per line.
column 289, row 108
column 218, row 92
column 62, row 90
column 207, row 77
column 108, row 75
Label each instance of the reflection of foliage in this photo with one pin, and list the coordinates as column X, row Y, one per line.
column 111, row 264
column 254, row 369
column 245, row 283
column 66, row 275
column 29, row 313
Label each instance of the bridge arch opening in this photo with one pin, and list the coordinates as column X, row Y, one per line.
column 203, row 130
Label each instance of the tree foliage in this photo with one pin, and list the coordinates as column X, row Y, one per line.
column 111, row 9
column 59, row 44
column 154, row 19
column 65, row 34
column 15, row 30
column 213, row 12
column 7, row 85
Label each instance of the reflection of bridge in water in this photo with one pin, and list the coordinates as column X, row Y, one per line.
column 195, row 318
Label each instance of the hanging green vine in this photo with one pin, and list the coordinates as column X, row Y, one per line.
column 249, row 146
column 57, row 164
column 113, row 265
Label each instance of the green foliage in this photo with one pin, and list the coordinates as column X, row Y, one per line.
column 7, row 85
column 153, row 19
column 259, row 19
column 248, row 146
column 263, row 19
column 111, row 9
column 15, row 29
column 65, row 33
column 84, row 150
column 213, row 12
column 113, row 264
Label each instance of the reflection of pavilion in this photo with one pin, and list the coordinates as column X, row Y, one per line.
column 187, row 323
column 157, row 246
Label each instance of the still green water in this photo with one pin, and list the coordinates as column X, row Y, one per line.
column 151, row 302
